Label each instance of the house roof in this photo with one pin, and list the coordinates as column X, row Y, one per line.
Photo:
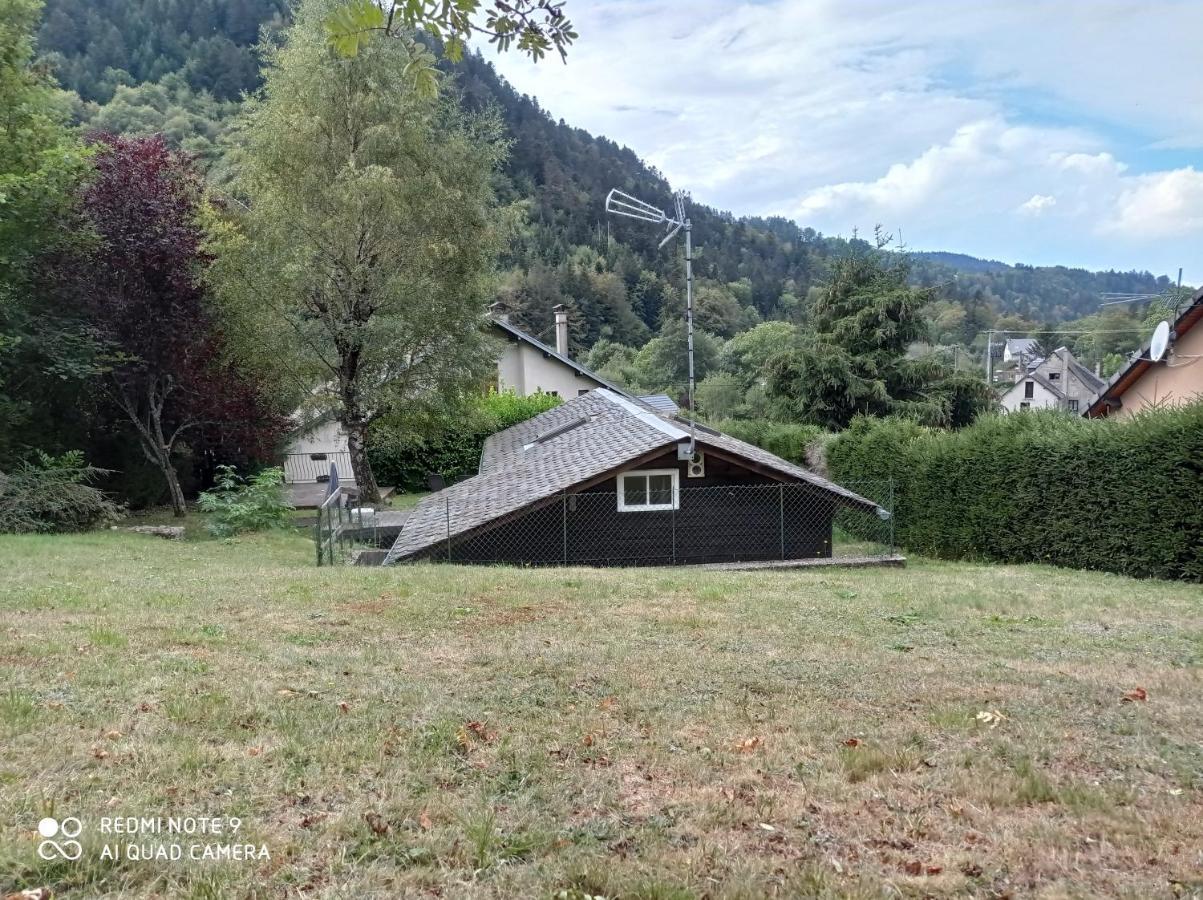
column 1015, row 346
column 521, row 336
column 661, row 403
column 573, row 445
column 1109, row 397
column 1080, row 372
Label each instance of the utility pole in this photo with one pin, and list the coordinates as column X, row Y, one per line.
column 990, row 358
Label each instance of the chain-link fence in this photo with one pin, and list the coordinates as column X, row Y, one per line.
column 662, row 524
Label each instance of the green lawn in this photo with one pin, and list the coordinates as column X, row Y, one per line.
column 492, row 732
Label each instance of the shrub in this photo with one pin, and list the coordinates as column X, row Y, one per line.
column 451, row 447
column 54, row 494
column 787, row 440
column 246, row 504
column 1118, row 495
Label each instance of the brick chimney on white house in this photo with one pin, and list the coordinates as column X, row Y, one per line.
column 561, row 312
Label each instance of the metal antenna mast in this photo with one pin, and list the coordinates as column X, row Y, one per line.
column 622, row 204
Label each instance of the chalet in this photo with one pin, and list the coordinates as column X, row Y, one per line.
column 603, row 479
column 1057, row 381
column 1173, row 380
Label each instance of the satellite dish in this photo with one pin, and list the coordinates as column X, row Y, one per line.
column 1160, row 341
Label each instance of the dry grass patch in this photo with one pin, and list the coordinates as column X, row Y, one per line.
column 652, row 733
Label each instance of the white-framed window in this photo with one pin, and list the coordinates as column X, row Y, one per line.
column 648, row 490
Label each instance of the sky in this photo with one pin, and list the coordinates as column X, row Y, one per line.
column 1066, row 132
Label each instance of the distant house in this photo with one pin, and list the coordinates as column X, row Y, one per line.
column 524, row 366
column 604, row 480
column 1019, row 350
column 1058, row 381
column 1175, row 379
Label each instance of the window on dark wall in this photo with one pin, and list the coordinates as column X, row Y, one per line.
column 649, row 490
column 1025, row 406
column 1054, row 376
column 1029, row 389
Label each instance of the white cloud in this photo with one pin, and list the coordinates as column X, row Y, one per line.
column 947, row 120
column 1160, row 205
column 1037, row 204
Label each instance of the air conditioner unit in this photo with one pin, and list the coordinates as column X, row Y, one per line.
column 696, row 467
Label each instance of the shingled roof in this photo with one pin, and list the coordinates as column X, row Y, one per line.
column 576, row 442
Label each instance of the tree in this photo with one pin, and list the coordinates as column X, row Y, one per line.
column 365, row 244
column 42, row 356
column 854, row 361
column 138, row 288
column 533, row 27
column 747, row 355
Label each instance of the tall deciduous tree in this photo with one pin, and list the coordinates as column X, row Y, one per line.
column 139, row 290
column 368, row 234
column 40, row 165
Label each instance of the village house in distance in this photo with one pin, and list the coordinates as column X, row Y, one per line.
column 1057, row 381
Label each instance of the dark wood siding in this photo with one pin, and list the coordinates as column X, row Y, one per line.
column 732, row 513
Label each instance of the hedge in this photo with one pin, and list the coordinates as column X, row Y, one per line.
column 1123, row 496
column 452, row 447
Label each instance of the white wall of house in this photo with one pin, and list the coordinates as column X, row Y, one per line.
column 1042, row 398
column 525, row 370
column 325, row 438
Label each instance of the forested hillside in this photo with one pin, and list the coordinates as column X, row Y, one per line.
column 177, row 66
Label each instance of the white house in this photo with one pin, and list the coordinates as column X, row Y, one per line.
column 1058, row 381
column 525, row 366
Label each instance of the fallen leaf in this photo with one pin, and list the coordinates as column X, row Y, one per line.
column 376, row 823
column 253, row 751
column 914, row 867
column 481, row 730
column 852, row 742
column 749, row 745
column 1134, row 695
column 100, row 753
column 934, row 870
column 144, row 707
column 991, row 717
column 608, row 703
column 344, row 706
column 112, row 735
column 765, row 826
column 41, row 893
column 587, row 740
column 424, row 821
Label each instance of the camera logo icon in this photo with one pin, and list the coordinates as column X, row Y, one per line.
column 68, row 828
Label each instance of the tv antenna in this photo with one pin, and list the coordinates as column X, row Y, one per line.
column 619, row 203
column 1112, row 298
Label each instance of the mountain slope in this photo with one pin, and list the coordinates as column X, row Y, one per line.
column 610, row 272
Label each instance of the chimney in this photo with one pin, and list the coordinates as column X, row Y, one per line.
column 561, row 312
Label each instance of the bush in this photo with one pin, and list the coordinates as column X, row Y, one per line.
column 54, row 494
column 451, row 447
column 787, row 440
column 1117, row 495
column 246, row 504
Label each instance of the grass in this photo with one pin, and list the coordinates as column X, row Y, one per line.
column 653, row 733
